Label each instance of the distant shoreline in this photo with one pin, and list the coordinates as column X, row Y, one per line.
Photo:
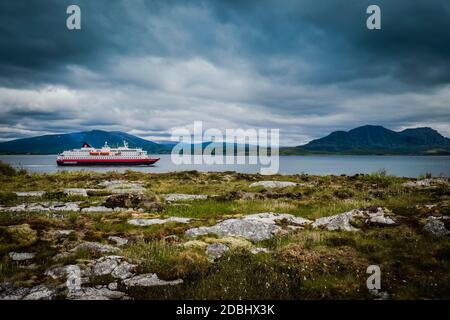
column 406, row 166
column 281, row 154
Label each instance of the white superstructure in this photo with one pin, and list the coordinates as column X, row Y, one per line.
column 106, row 154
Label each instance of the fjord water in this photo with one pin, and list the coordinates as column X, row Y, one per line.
column 406, row 166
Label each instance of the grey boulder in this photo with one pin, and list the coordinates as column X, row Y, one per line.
column 435, row 227
column 149, row 280
column 216, row 250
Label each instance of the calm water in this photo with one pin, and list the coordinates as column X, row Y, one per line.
column 408, row 166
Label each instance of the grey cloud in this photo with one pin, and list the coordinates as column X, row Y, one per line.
column 307, row 67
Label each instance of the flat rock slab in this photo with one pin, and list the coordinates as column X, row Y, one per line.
column 339, row 222
column 100, row 293
column 76, row 192
column 115, row 266
column 425, row 182
column 149, row 280
column 118, row 240
column 40, row 292
column 43, row 207
column 65, row 232
column 95, row 247
column 97, row 209
column 255, row 227
column 250, row 229
column 58, row 206
column 85, row 192
column 342, row 222
column 122, row 186
column 29, row 193
column 21, row 256
column 183, row 197
column 152, row 221
column 273, row 184
column 271, row 217
column 13, row 293
column 68, row 206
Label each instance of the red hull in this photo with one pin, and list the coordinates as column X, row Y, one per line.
column 73, row 162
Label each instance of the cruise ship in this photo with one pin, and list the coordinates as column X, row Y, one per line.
column 88, row 155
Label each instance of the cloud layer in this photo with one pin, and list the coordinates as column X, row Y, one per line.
column 147, row 67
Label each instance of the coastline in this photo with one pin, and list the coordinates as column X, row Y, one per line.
column 408, row 166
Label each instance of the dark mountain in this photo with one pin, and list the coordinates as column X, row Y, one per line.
column 361, row 140
column 377, row 140
column 52, row 144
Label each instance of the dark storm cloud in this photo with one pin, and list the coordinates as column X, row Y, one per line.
column 330, row 35
column 413, row 46
column 308, row 67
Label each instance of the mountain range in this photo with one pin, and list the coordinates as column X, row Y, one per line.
column 56, row 143
column 371, row 139
column 367, row 139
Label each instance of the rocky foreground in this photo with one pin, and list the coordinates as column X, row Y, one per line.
column 221, row 235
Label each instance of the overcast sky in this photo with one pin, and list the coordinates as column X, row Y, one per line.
column 307, row 67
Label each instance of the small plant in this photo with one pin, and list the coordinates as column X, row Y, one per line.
column 379, row 178
column 8, row 198
column 7, row 170
column 168, row 260
column 73, row 218
column 343, row 193
column 54, row 195
column 98, row 193
column 428, row 175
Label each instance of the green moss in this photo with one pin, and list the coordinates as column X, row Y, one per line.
column 18, row 235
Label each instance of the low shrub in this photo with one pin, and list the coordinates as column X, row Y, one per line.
column 7, row 170
column 8, row 198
